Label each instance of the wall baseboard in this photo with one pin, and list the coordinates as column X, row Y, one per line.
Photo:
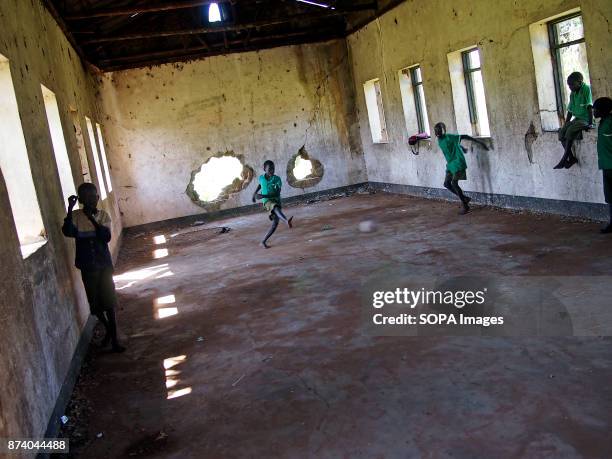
column 244, row 210
column 575, row 209
column 586, row 210
column 53, row 427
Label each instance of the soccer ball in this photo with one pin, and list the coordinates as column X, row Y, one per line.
column 367, row 226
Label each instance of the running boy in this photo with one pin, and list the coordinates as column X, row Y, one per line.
column 91, row 229
column 603, row 109
column 456, row 167
column 581, row 109
column 270, row 186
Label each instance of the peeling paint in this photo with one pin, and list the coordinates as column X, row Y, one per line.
column 530, row 137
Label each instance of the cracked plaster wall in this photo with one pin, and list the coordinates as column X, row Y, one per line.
column 424, row 33
column 43, row 307
column 167, row 120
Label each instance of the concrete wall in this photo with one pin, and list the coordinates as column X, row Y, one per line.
column 424, row 33
column 43, row 308
column 164, row 122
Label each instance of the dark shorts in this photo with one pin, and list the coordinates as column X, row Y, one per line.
column 607, row 183
column 459, row 175
column 572, row 130
column 100, row 290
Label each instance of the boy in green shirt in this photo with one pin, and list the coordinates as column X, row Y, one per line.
column 456, row 167
column 603, row 109
column 270, row 186
column 581, row 109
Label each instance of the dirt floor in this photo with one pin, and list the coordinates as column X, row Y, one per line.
column 265, row 355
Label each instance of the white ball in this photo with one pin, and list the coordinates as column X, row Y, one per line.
column 367, row 226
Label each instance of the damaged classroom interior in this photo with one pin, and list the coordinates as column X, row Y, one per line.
column 224, row 343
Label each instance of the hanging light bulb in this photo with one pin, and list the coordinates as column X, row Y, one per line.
column 214, row 13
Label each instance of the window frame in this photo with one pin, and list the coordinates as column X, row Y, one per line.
column 16, row 168
column 555, row 46
column 418, row 101
column 95, row 153
column 59, row 145
column 380, row 111
column 104, row 158
column 469, row 84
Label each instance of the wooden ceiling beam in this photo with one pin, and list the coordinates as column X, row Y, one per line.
column 156, row 55
column 206, row 54
column 211, row 29
column 128, row 11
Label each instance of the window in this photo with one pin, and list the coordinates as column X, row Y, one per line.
column 15, row 167
column 376, row 114
column 109, row 185
column 59, row 144
column 472, row 74
column 94, row 153
column 568, row 54
column 558, row 48
column 413, row 100
column 78, row 132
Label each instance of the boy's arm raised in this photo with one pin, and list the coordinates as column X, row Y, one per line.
column 68, row 228
column 472, row 139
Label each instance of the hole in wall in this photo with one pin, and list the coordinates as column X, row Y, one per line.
column 303, row 171
column 218, row 178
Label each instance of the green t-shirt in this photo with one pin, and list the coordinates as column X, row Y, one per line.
column 580, row 101
column 604, row 143
column 450, row 145
column 270, row 187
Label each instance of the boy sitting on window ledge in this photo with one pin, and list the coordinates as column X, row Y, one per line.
column 581, row 109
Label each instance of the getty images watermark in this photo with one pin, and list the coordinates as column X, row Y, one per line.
column 400, row 303
column 411, row 299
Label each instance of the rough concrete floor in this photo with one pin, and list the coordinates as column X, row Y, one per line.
column 267, row 348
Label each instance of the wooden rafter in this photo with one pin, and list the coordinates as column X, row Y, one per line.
column 143, row 32
column 210, row 29
column 221, row 46
column 128, row 11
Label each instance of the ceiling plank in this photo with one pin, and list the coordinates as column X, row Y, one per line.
column 128, row 11
column 156, row 55
column 211, row 29
column 170, row 19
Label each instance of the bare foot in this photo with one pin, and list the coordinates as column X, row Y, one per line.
column 465, row 210
column 265, row 245
column 290, row 222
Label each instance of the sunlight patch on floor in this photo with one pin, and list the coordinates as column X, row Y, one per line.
column 172, row 379
column 130, row 278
